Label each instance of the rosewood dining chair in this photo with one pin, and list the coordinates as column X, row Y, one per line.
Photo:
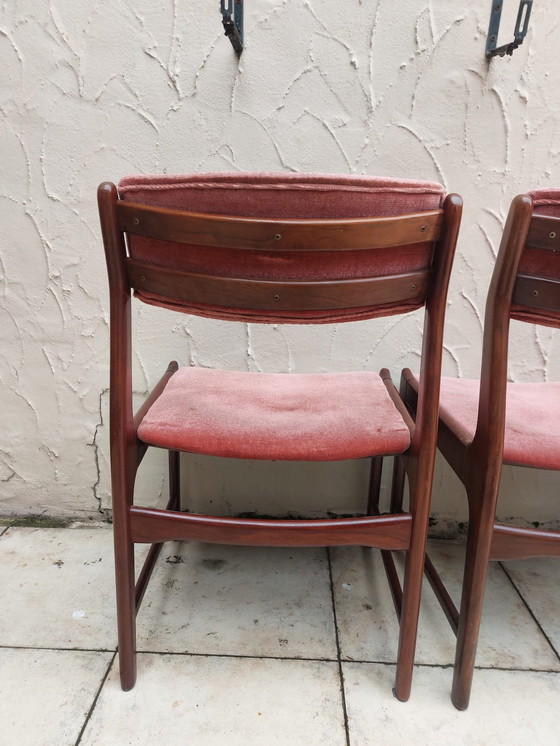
column 485, row 424
column 275, row 248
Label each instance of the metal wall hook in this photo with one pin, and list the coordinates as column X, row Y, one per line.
column 520, row 31
column 232, row 18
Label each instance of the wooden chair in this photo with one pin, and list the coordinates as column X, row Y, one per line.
column 281, row 248
column 487, row 423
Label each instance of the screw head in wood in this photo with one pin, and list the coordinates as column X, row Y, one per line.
column 552, row 234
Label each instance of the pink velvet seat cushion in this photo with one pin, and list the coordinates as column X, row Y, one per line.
column 294, row 417
column 281, row 196
column 532, row 436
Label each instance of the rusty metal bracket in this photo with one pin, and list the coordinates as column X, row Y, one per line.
column 232, row 18
column 519, row 33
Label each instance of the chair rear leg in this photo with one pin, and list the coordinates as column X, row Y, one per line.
column 410, row 611
column 126, row 608
column 472, row 599
column 412, row 589
column 122, row 489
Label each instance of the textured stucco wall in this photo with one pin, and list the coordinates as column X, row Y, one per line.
column 98, row 89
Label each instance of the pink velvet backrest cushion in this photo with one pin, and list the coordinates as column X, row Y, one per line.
column 282, row 196
column 541, row 262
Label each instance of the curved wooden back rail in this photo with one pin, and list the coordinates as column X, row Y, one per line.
column 267, row 295
column 431, row 234
column 252, row 234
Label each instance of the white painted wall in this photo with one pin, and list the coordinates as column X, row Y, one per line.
column 95, row 90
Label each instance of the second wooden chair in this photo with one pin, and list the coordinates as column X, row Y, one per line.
column 485, row 424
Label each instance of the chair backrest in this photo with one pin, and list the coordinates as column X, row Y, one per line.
column 281, row 247
column 536, row 294
column 525, row 286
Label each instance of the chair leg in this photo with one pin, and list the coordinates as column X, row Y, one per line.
column 126, row 611
column 409, row 623
column 374, row 485
column 472, row 598
column 122, row 489
column 174, row 480
column 412, row 589
column 397, row 485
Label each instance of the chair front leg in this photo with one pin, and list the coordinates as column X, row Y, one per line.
column 397, row 485
column 174, row 480
column 376, row 468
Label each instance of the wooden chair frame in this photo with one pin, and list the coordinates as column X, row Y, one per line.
column 402, row 531
column 479, row 466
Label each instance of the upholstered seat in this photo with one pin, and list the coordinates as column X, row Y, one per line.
column 297, row 417
column 532, row 416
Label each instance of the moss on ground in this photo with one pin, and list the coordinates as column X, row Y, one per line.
column 39, row 521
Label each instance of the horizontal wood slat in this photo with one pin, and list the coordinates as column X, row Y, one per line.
column 278, row 235
column 514, row 542
column 537, row 292
column 544, row 233
column 150, row 525
column 232, row 292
